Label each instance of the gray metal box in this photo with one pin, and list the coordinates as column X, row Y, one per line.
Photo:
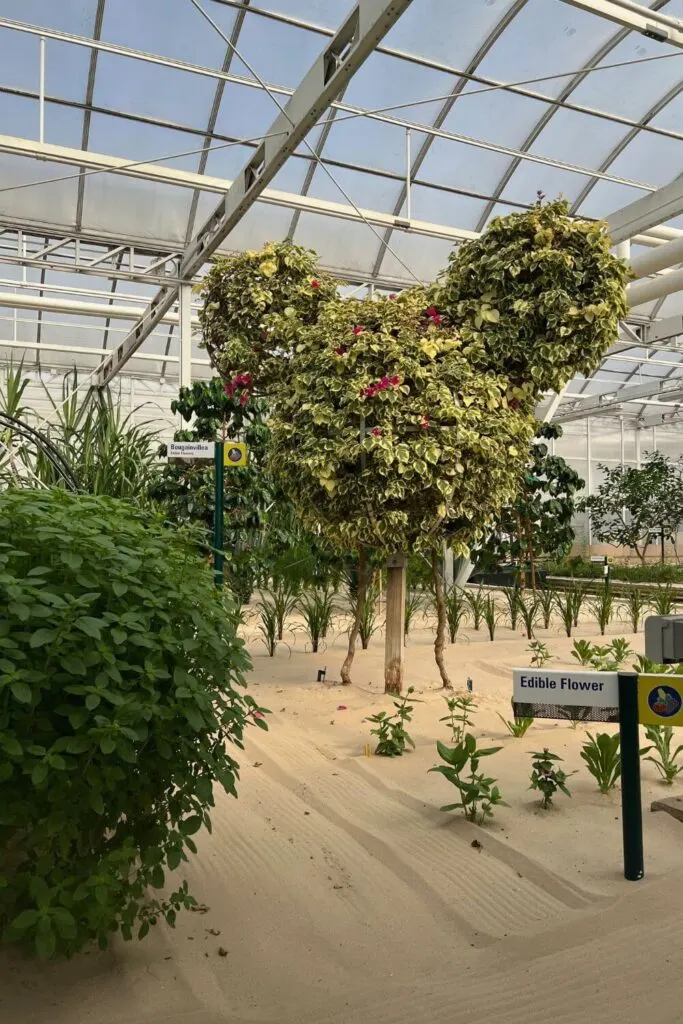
column 664, row 638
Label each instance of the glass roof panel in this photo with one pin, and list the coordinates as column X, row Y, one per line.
column 122, row 83
column 280, row 54
column 170, row 27
column 52, row 203
column 77, row 16
column 121, row 205
column 330, row 13
column 451, row 33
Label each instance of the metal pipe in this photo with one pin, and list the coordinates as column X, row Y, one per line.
column 49, row 304
column 41, row 91
column 640, row 292
column 652, row 16
column 409, row 171
column 664, row 256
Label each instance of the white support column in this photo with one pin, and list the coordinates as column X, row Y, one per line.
column 623, row 250
column 637, row 446
column 621, row 440
column 185, row 311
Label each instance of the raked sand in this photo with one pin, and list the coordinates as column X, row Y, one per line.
column 340, row 894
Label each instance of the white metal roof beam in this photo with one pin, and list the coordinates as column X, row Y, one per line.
column 363, row 29
column 653, row 24
column 645, row 213
column 602, row 403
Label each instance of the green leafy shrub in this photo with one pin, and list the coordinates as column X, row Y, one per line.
column 391, row 733
column 479, row 793
column 603, row 759
column 118, row 671
column 547, row 778
column 660, row 737
column 602, row 657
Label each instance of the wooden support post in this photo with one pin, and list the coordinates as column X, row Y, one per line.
column 395, row 615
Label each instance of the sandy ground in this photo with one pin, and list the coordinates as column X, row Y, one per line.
column 343, row 895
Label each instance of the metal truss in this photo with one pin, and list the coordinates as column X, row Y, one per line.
column 635, row 16
column 81, row 254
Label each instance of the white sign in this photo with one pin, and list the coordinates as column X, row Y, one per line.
column 191, row 450
column 565, row 686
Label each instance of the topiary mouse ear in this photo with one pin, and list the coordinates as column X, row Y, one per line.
column 249, row 300
column 540, row 291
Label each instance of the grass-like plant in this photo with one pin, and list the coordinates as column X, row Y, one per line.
column 456, row 611
column 413, row 604
column 476, row 599
column 479, row 793
column 511, row 595
column 581, row 594
column 317, row 609
column 566, row 603
column 663, row 599
column 603, row 608
column 459, row 717
column 547, row 778
column 392, row 735
column 528, row 610
column 603, row 759
column 518, row 726
column 283, row 595
column 491, row 616
column 368, row 625
column 636, row 603
column 546, row 605
column 665, row 761
column 268, row 625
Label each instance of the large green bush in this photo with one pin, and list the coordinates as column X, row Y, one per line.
column 118, row 712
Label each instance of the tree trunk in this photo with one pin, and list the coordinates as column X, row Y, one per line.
column 522, row 562
column 530, row 549
column 441, row 621
column 355, row 628
column 395, row 624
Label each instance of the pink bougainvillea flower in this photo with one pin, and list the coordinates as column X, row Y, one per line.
column 424, row 423
column 244, row 398
column 358, row 330
column 394, row 381
column 315, row 284
column 433, row 315
column 514, row 403
column 229, row 389
column 259, row 714
column 341, row 351
column 376, row 431
column 393, row 295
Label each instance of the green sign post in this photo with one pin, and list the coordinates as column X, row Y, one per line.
column 218, row 556
column 631, row 802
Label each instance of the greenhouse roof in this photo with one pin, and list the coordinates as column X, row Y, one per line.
column 126, row 124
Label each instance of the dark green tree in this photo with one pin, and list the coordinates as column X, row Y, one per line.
column 539, row 523
column 635, row 506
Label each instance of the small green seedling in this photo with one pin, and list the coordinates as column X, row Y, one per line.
column 540, row 653
column 603, row 759
column 660, row 736
column 391, row 733
column 479, row 793
column 518, row 726
column 547, row 778
column 602, row 657
column 459, row 714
